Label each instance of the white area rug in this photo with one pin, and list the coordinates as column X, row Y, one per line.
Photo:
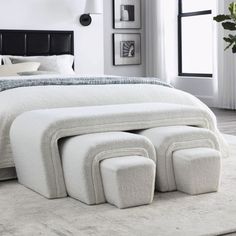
column 25, row 213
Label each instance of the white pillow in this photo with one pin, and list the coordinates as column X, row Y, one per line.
column 38, row 72
column 61, row 64
column 13, row 69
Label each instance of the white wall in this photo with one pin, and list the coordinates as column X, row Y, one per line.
column 203, row 88
column 133, row 70
column 59, row 15
column 91, row 51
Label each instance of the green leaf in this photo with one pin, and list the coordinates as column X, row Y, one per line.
column 229, row 25
column 232, row 36
column 229, row 46
column 231, row 40
column 221, row 18
column 232, row 8
column 228, row 40
column 234, row 49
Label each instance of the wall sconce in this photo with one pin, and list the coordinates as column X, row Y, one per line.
column 92, row 7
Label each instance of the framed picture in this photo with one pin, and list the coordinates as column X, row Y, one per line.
column 126, row 49
column 126, row 14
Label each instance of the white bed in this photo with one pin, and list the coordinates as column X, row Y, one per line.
column 15, row 101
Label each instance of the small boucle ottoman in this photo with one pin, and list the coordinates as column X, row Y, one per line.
column 197, row 170
column 128, row 181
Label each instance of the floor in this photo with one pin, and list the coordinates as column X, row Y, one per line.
column 25, row 213
column 67, row 217
column 226, row 120
column 227, row 124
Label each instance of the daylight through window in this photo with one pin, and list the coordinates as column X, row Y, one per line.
column 195, row 38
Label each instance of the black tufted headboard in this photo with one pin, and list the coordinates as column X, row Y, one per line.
column 36, row 42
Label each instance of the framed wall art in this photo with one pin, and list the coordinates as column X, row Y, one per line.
column 126, row 14
column 126, row 49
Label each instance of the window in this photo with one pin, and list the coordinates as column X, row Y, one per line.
column 195, row 38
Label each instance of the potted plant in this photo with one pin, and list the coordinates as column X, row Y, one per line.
column 229, row 23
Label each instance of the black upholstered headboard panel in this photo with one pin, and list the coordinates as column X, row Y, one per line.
column 36, row 42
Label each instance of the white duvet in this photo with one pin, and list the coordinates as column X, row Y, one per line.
column 16, row 101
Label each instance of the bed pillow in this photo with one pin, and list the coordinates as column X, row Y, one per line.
column 13, row 69
column 61, row 64
column 29, row 73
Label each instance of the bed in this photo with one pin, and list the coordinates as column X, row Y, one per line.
column 31, row 43
column 25, row 93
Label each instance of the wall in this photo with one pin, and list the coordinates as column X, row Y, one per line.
column 59, row 15
column 203, row 88
column 133, row 70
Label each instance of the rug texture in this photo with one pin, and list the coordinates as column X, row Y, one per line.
column 25, row 213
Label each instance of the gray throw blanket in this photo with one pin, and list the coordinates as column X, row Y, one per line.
column 22, row 82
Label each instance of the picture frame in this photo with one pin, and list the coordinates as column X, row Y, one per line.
column 127, row 14
column 126, row 49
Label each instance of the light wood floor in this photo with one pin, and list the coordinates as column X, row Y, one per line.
column 226, row 120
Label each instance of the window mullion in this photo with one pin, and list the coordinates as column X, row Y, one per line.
column 196, row 13
column 180, row 44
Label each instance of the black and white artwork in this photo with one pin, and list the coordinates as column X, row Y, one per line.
column 127, row 49
column 127, row 14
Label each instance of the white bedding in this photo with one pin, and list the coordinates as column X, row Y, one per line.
column 16, row 101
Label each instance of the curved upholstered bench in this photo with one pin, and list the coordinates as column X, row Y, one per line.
column 34, row 135
column 167, row 140
column 117, row 167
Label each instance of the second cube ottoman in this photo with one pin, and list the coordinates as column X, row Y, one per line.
column 197, row 170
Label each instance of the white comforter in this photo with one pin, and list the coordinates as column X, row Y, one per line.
column 16, row 101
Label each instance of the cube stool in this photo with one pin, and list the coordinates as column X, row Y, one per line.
column 197, row 170
column 128, row 181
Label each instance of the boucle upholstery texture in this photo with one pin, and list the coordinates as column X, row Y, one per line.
column 166, row 140
column 35, row 134
column 81, row 156
column 197, row 170
column 128, row 181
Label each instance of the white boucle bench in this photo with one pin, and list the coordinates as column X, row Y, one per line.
column 114, row 167
column 35, row 135
column 168, row 140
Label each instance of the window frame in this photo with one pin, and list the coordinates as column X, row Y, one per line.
column 180, row 16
